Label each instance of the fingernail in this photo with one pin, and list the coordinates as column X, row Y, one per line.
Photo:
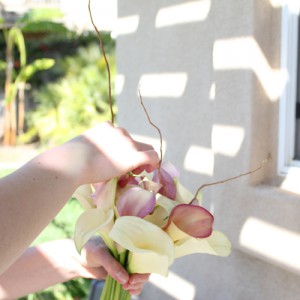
column 122, row 277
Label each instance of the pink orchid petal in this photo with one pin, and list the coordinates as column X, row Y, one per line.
column 136, row 202
column 195, row 221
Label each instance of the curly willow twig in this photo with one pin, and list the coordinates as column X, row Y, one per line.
column 265, row 161
column 106, row 63
column 155, row 126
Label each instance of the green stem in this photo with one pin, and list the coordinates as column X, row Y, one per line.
column 112, row 289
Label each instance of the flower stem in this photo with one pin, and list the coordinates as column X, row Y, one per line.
column 112, row 289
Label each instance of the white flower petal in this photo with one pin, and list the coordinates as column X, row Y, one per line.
column 152, row 250
column 83, row 195
column 89, row 223
column 216, row 244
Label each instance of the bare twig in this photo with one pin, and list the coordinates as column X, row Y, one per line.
column 106, row 63
column 155, row 126
column 263, row 163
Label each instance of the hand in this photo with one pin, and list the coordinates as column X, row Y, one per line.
column 104, row 152
column 97, row 262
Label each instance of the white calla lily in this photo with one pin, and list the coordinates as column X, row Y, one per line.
column 151, row 249
column 83, row 195
column 216, row 244
column 183, row 195
column 94, row 221
column 105, row 194
column 164, row 207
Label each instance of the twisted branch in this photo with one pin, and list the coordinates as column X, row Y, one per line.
column 106, row 63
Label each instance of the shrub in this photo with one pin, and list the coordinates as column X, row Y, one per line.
column 75, row 101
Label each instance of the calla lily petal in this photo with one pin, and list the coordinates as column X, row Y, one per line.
column 151, row 249
column 89, row 223
column 136, row 202
column 127, row 179
column 105, row 194
column 185, row 196
column 150, row 185
column 191, row 220
column 170, row 169
column 168, row 188
column 83, row 195
column 216, row 244
column 164, row 207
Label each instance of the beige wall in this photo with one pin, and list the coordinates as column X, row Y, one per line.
column 210, row 77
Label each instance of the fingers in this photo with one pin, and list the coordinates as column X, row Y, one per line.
column 145, row 160
column 136, row 283
column 114, row 268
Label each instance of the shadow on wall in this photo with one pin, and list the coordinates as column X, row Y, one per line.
column 212, row 84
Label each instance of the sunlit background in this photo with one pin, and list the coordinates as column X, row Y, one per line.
column 212, row 79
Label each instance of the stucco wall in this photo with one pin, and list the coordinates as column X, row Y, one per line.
column 211, row 81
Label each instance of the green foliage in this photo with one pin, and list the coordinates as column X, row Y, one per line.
column 76, row 101
column 2, row 65
column 26, row 73
column 15, row 37
column 73, row 289
column 40, row 14
column 42, row 20
column 45, row 27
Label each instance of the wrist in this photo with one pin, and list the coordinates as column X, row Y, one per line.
column 63, row 162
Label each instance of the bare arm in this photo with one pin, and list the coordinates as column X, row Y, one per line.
column 55, row 262
column 32, row 196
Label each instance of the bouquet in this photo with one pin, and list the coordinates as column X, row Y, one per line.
column 146, row 221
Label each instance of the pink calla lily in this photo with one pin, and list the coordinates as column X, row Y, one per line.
column 136, row 201
column 189, row 220
column 150, row 185
column 166, row 177
column 127, row 179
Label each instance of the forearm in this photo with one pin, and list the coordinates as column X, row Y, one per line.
column 40, row 267
column 31, row 197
